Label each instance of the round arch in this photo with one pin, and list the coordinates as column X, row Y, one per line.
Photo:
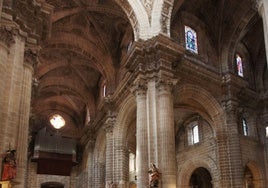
column 258, row 175
column 213, row 111
column 129, row 11
column 124, row 118
column 186, row 171
column 52, row 185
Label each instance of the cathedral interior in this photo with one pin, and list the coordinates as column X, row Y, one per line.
column 93, row 93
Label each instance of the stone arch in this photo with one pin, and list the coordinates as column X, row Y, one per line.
column 214, row 112
column 127, row 109
column 258, row 175
column 228, row 48
column 53, row 180
column 166, row 13
column 185, row 172
column 127, row 7
column 52, row 184
column 126, row 114
column 99, row 150
column 149, row 22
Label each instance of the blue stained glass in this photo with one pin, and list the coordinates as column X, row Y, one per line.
column 190, row 39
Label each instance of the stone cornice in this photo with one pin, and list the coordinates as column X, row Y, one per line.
column 151, row 55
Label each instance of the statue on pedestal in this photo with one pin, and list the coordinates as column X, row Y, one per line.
column 9, row 165
column 154, row 176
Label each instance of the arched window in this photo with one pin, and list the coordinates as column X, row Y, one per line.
column 245, row 127
column 190, row 39
column 239, row 65
column 266, row 131
column 195, row 134
column 104, row 90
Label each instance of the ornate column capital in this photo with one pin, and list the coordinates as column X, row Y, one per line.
column 139, row 87
column 30, row 58
column 109, row 123
column 165, row 85
column 6, row 36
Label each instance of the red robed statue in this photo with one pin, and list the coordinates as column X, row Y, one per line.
column 154, row 176
column 9, row 165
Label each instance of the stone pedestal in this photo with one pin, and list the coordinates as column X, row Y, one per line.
column 5, row 184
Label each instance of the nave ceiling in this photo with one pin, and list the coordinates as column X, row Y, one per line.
column 85, row 42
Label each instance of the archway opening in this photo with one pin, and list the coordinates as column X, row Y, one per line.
column 52, row 185
column 248, row 176
column 200, row 178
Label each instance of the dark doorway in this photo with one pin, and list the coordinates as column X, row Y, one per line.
column 52, row 185
column 201, row 178
column 248, row 178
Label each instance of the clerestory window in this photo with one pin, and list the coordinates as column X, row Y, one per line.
column 195, row 134
column 245, row 127
column 191, row 39
column 239, row 65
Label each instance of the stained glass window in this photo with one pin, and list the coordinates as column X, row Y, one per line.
column 239, row 65
column 191, row 39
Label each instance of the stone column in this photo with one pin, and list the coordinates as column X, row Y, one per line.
column 99, row 175
column 263, row 11
column 166, row 133
column 121, row 171
column 90, row 157
column 24, row 114
column 141, row 137
column 109, row 125
column 232, row 172
column 6, row 40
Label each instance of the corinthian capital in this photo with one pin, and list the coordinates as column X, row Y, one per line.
column 166, row 84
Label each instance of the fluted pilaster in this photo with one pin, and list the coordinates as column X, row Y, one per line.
column 24, row 113
column 6, row 39
column 141, row 136
column 99, row 175
column 109, row 125
column 166, row 134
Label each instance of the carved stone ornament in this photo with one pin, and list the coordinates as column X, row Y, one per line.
column 148, row 5
column 6, row 36
column 30, row 57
